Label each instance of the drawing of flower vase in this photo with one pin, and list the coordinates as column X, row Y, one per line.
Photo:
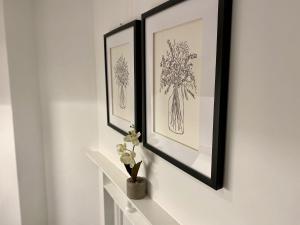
column 177, row 76
column 122, row 77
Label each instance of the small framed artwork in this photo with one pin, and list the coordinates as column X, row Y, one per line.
column 123, row 77
column 186, row 45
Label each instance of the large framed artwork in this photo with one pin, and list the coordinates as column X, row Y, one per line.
column 123, row 77
column 186, row 45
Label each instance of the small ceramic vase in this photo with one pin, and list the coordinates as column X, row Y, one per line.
column 137, row 189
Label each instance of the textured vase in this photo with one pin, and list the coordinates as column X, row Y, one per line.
column 122, row 97
column 138, row 189
column 176, row 112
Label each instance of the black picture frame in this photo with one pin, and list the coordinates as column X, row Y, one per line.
column 136, row 24
column 220, row 101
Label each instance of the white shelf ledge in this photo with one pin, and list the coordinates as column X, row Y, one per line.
column 146, row 209
column 121, row 200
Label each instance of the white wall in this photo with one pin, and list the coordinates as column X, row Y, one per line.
column 262, row 154
column 66, row 67
column 51, row 60
column 9, row 192
column 21, row 51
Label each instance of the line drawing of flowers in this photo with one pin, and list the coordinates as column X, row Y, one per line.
column 178, row 77
column 121, row 78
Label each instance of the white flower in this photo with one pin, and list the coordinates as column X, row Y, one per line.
column 121, row 148
column 128, row 158
column 132, row 154
column 133, row 137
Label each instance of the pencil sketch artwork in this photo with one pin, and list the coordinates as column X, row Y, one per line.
column 177, row 77
column 121, row 79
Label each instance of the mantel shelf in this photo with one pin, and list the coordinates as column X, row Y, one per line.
column 147, row 208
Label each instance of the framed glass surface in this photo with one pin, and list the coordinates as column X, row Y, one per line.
column 123, row 77
column 185, row 82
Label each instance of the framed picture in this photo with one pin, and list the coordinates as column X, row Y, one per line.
column 186, row 45
column 123, row 77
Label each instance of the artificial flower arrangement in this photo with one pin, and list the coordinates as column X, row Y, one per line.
column 127, row 156
column 136, row 186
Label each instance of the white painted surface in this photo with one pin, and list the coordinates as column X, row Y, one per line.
column 262, row 160
column 134, row 217
column 51, row 61
column 9, row 192
column 22, row 61
column 145, row 211
column 66, row 69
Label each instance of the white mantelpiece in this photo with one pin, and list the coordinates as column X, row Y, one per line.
column 113, row 186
